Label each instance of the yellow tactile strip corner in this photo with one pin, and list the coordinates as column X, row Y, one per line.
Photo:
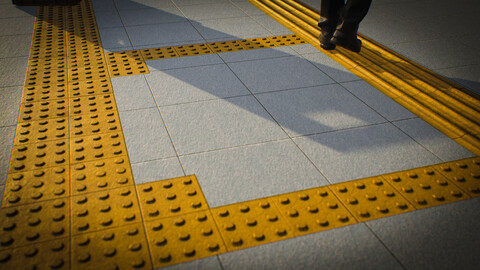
column 169, row 222
column 132, row 62
column 444, row 104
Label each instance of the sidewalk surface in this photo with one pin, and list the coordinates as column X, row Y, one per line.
column 258, row 123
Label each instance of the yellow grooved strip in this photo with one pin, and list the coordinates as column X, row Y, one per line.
column 133, row 62
column 70, row 201
column 442, row 103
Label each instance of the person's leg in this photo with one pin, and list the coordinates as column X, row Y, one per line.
column 329, row 18
column 346, row 33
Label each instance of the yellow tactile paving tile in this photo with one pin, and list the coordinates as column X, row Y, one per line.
column 100, row 175
column 425, row 187
column 70, row 200
column 250, row 224
column 41, row 131
column 92, row 104
column 118, row 248
column 37, row 185
column 39, row 155
column 172, row 197
column 104, row 210
column 183, row 238
column 94, row 123
column 313, row 210
column 46, row 255
column 371, row 198
column 89, row 87
column 34, row 111
column 463, row 173
column 97, row 147
column 34, row 223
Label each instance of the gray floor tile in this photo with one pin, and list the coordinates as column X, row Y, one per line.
column 304, row 49
column 12, row 71
column 318, row 109
column 236, row 28
column 15, row 46
column 194, row 84
column 197, row 2
column 351, row 247
column 132, row 17
column 279, row 74
column 10, row 98
column 162, row 33
column 12, row 11
column 252, row 172
column 443, row 25
column 397, row 31
column 16, row 26
column 438, row 54
column 362, row 152
column 470, row 40
column 104, row 5
column 155, row 170
column 432, row 139
column 248, row 8
column 145, row 135
column 410, row 10
column 442, row 237
column 212, row 11
column 182, row 62
column 331, row 67
column 143, row 4
column 378, row 101
column 114, row 37
column 467, row 76
column 106, row 19
column 274, row 27
column 209, row 263
column 6, row 144
column 217, row 124
column 170, row 43
column 257, row 54
column 132, row 92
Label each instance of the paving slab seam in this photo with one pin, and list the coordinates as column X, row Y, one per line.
column 80, row 208
column 450, row 108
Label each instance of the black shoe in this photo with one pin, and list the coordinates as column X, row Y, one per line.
column 325, row 37
column 349, row 42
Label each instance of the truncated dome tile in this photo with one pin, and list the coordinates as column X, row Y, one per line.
column 119, row 248
column 183, row 238
column 313, row 210
column 171, row 197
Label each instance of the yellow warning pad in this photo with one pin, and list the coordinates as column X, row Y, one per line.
column 371, row 198
column 119, row 248
column 251, row 224
column 463, row 173
column 183, row 238
column 313, row 210
column 425, row 187
column 171, row 197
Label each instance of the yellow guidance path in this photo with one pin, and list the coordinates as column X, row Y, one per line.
column 445, row 105
column 70, row 201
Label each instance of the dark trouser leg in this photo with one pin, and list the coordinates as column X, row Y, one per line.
column 330, row 13
column 346, row 33
column 352, row 14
